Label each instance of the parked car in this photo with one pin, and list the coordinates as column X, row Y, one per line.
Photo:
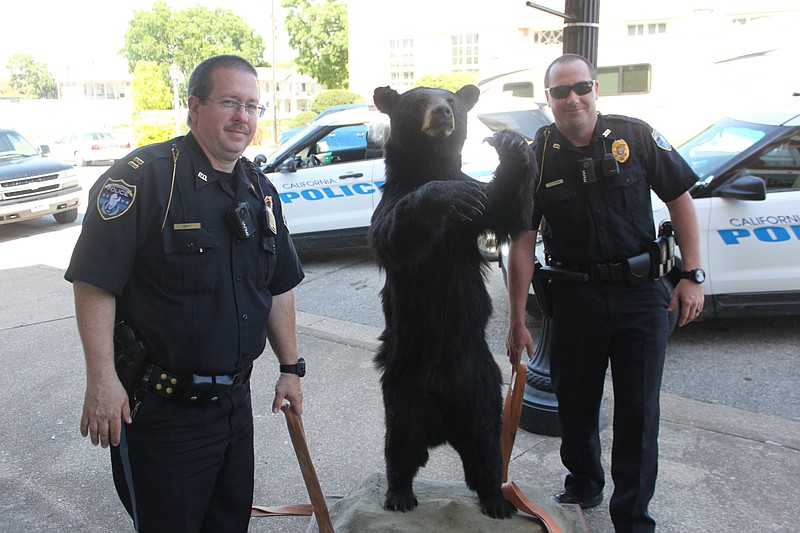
column 84, row 148
column 291, row 132
column 329, row 176
column 748, row 204
column 32, row 185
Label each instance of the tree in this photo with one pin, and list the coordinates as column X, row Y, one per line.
column 30, row 78
column 149, row 89
column 187, row 37
column 333, row 97
column 318, row 32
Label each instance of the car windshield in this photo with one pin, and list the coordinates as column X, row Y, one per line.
column 12, row 144
column 718, row 144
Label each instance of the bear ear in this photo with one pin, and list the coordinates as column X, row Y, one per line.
column 385, row 99
column 469, row 94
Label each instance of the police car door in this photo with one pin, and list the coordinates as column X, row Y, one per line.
column 754, row 246
column 333, row 187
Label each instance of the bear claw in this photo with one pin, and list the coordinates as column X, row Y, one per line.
column 400, row 501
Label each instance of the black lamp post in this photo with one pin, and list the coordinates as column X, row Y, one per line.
column 539, row 405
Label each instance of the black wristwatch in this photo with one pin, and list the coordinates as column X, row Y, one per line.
column 698, row 275
column 299, row 368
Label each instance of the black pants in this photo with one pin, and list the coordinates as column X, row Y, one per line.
column 594, row 323
column 188, row 468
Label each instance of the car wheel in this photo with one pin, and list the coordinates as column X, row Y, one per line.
column 65, row 217
column 79, row 160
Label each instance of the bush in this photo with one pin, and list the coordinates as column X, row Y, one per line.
column 301, row 119
column 333, row 97
column 150, row 131
column 451, row 82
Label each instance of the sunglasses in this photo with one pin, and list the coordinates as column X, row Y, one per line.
column 559, row 92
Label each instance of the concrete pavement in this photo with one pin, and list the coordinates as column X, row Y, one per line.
column 722, row 469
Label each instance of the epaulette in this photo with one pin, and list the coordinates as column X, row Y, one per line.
column 630, row 120
column 145, row 155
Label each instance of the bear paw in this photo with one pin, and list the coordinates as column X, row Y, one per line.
column 497, row 507
column 510, row 146
column 400, row 501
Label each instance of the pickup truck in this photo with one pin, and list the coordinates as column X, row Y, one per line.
column 33, row 185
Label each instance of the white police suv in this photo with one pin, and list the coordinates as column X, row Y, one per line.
column 748, row 204
column 329, row 175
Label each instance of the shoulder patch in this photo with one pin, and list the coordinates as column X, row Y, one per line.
column 115, row 199
column 661, row 141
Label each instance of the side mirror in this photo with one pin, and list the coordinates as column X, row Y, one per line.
column 260, row 160
column 743, row 187
column 44, row 149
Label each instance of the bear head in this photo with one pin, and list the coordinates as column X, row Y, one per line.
column 425, row 114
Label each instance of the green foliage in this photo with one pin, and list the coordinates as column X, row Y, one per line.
column 187, row 37
column 318, row 32
column 152, row 131
column 149, row 90
column 29, row 78
column 451, row 82
column 301, row 119
column 332, row 97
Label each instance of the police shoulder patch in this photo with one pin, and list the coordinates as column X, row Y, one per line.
column 661, row 141
column 115, row 199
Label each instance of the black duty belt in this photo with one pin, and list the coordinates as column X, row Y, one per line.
column 599, row 272
column 194, row 388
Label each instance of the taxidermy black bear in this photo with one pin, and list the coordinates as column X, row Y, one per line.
column 440, row 382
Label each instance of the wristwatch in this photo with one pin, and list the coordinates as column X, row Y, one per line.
column 299, row 368
column 698, row 275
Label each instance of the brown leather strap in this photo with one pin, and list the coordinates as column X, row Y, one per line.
column 300, row 509
column 512, row 410
column 295, row 424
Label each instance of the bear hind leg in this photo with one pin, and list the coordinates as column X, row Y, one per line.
column 404, row 457
column 483, row 465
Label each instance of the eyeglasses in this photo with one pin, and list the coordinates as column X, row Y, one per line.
column 233, row 106
column 559, row 92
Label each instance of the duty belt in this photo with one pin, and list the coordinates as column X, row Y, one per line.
column 194, row 388
column 599, row 272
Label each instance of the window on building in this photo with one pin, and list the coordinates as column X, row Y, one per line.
column 651, row 28
column 401, row 62
column 624, row 79
column 465, row 56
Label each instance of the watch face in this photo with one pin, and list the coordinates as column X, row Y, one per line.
column 699, row 275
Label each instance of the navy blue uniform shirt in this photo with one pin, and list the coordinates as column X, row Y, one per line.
column 198, row 296
column 610, row 219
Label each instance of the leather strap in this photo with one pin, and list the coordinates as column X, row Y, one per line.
column 512, row 410
column 300, row 509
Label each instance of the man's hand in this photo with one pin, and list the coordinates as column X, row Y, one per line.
column 105, row 406
column 691, row 297
column 517, row 339
column 288, row 388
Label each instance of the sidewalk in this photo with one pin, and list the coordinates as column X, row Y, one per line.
column 722, row 469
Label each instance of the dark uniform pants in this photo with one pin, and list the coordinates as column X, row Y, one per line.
column 188, row 468
column 594, row 323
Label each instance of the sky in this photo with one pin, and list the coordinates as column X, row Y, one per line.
column 60, row 33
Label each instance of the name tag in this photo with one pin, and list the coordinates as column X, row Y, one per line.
column 554, row 183
column 186, row 225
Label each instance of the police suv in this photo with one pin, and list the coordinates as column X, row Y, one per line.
column 748, row 204
column 329, row 175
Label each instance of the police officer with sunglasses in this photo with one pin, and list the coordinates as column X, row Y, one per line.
column 593, row 203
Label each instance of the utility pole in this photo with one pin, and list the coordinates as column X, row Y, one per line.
column 581, row 26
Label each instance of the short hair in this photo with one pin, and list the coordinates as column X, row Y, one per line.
column 201, row 82
column 569, row 58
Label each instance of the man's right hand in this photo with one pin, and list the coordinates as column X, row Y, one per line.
column 105, row 407
column 517, row 339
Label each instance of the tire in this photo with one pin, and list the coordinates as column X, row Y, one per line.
column 66, row 217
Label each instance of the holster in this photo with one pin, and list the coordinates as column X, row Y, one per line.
column 130, row 357
column 662, row 251
column 541, row 290
column 638, row 269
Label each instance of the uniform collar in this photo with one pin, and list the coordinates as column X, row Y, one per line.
column 204, row 174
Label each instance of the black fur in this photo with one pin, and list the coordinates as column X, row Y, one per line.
column 440, row 382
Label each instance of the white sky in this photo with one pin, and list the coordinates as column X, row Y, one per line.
column 61, row 33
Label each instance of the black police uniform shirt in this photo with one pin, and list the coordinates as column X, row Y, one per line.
column 198, row 296
column 609, row 219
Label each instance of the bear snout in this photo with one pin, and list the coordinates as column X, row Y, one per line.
column 439, row 122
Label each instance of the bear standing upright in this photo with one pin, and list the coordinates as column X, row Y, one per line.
column 440, row 382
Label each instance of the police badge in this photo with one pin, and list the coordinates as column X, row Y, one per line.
column 115, row 198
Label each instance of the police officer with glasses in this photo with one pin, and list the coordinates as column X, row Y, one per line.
column 183, row 269
column 609, row 304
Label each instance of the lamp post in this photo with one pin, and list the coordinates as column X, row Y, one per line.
column 539, row 413
column 176, row 76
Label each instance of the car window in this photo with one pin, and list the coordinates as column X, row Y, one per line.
column 13, row 144
column 778, row 165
